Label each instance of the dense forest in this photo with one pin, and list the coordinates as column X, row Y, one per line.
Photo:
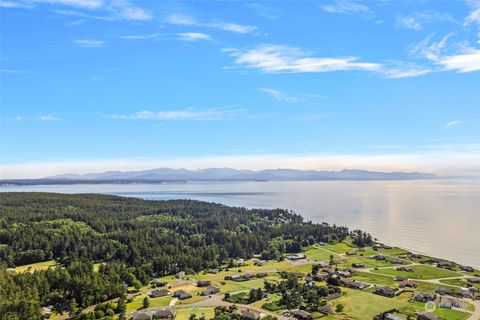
column 136, row 240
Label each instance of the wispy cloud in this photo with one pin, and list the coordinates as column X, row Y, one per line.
column 461, row 58
column 102, row 9
column 416, row 20
column 193, row 36
column 277, row 59
column 14, row 4
column 279, row 95
column 185, row 114
column 348, row 7
column 181, row 19
column 141, row 36
column 89, row 43
column 48, row 117
column 453, row 123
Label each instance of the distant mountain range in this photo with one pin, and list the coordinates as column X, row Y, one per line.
column 220, row 174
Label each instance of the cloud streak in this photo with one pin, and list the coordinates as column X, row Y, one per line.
column 453, row 123
column 278, row 95
column 89, row 43
column 277, row 59
column 107, row 9
column 185, row 114
column 181, row 19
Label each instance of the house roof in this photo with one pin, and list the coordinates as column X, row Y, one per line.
column 141, row 316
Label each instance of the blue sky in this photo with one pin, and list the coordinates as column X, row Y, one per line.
column 92, row 85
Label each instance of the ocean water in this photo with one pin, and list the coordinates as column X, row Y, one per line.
column 440, row 218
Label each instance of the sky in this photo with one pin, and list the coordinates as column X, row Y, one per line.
column 96, row 85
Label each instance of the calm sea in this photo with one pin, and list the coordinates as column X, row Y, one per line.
column 439, row 218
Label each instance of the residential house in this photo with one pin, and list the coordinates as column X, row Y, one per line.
column 302, row 315
column 213, row 271
column 446, row 264
column 248, row 314
column 391, row 316
column 180, row 275
column 467, row 269
column 406, row 269
column 442, row 291
column 400, row 278
column 379, row 257
column 159, row 293
column 474, row 280
column 182, row 294
column 427, row 316
column 396, row 261
column 298, row 256
column 141, row 316
column 358, row 265
column 449, row 303
column 423, row 297
column 210, row 290
column 385, row 291
column 407, row 284
column 354, row 284
column 351, row 253
column 203, row 283
column 164, row 313
column 333, row 296
column 464, row 294
column 326, row 309
column 260, row 263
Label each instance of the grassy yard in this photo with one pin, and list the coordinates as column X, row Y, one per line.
column 184, row 314
column 374, row 278
column 36, row 266
column 340, row 247
column 421, row 272
column 460, row 283
column 369, row 263
column 317, row 253
column 364, row 306
column 233, row 286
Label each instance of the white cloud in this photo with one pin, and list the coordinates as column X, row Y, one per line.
column 106, row 9
column 416, row 20
column 395, row 73
column 474, row 15
column 89, row 43
column 409, row 22
column 180, row 19
column 277, row 59
column 278, row 95
column 468, row 61
column 186, row 20
column 347, row 7
column 453, row 123
column 461, row 58
column 48, row 117
column 11, row 4
column 140, row 37
column 186, row 114
column 193, row 36
column 86, row 4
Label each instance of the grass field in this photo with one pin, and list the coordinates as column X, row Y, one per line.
column 36, row 266
column 340, row 247
column 421, row 272
column 317, row 253
column 184, row 314
column 364, row 306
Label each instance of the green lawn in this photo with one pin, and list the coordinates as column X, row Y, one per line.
column 36, row 266
column 421, row 272
column 340, row 247
column 460, row 283
column 369, row 263
column 184, row 314
column 317, row 253
column 375, row 279
column 364, row 306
